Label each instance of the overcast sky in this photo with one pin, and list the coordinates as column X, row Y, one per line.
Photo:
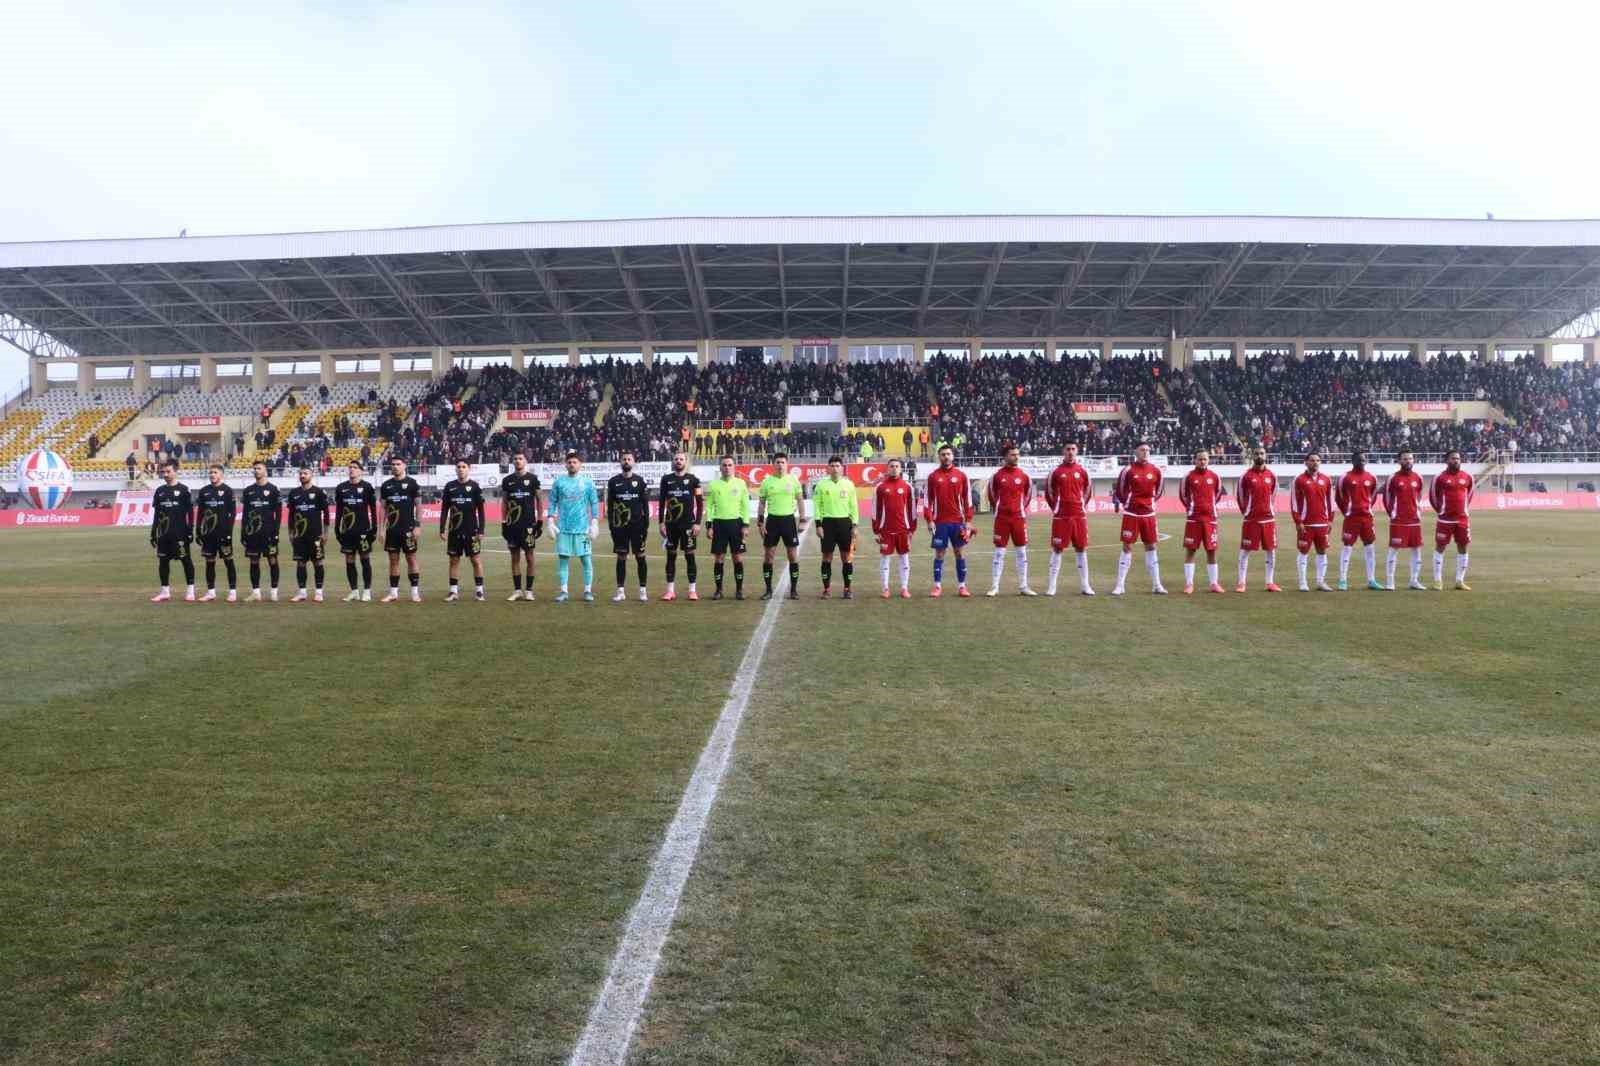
column 144, row 119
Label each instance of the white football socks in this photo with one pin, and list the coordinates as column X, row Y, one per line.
column 1371, row 554
column 1344, row 563
column 1272, row 566
column 883, row 571
column 1438, row 567
column 1022, row 566
column 1300, row 568
column 1055, row 571
column 998, row 567
column 1244, row 565
column 1124, row 561
column 1211, row 573
column 1389, row 566
column 1083, row 569
column 905, row 571
column 1188, row 573
column 1461, row 567
column 1416, row 566
column 1322, row 569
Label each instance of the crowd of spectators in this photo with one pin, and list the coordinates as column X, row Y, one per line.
column 1330, row 401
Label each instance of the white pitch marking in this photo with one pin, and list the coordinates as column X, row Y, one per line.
column 616, row 1012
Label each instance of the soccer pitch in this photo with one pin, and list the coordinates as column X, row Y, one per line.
column 1347, row 828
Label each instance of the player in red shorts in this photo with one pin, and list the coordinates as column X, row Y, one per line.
column 1010, row 491
column 1402, row 500
column 1138, row 489
column 1200, row 491
column 1450, row 496
column 1257, row 489
column 1068, row 492
column 1354, row 494
column 1311, row 504
column 894, row 519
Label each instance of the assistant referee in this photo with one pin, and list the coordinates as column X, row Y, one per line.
column 727, row 518
column 835, row 507
column 777, row 518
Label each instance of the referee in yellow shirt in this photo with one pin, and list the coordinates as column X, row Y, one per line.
column 778, row 519
column 835, row 509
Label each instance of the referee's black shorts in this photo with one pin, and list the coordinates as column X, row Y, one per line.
column 727, row 535
column 837, row 533
column 781, row 528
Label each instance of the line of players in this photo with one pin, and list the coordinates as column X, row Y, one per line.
column 723, row 509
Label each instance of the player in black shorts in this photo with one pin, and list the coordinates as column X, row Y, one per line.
column 400, row 496
column 263, row 517
column 521, row 520
column 171, row 530
column 213, row 519
column 628, row 515
column 681, row 506
column 355, row 521
column 461, row 529
column 308, row 532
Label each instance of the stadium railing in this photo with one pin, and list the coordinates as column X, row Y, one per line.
column 704, row 424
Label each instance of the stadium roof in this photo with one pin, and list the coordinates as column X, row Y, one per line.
column 687, row 279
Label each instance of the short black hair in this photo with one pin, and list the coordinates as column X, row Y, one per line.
column 1312, row 451
column 780, row 455
column 305, row 468
column 836, row 459
column 523, row 452
column 947, row 448
column 1360, row 454
column 1008, row 447
column 625, row 451
column 1406, row 451
column 258, row 462
column 572, row 455
column 726, row 458
column 1141, row 444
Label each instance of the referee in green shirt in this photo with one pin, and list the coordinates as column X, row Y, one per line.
column 777, row 517
column 727, row 518
column 835, row 509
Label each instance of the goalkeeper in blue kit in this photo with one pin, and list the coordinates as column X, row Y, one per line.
column 575, row 510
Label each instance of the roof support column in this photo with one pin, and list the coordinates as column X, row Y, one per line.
column 1591, row 353
column 919, row 351
column 646, row 350
column 326, row 371
column 38, row 377
column 1177, row 353
column 141, row 374
column 1486, row 352
column 1364, row 350
column 1546, row 353
column 208, row 374
column 787, row 354
column 1299, row 347
column 1238, row 351
column 1105, row 351
column 1419, row 351
column 441, row 363
column 385, row 371
column 86, row 376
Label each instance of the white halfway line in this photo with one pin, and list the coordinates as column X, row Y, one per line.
column 615, row 1015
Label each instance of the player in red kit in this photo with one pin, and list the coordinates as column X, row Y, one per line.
column 1010, row 491
column 1402, row 500
column 947, row 509
column 1258, row 487
column 1200, row 490
column 1311, row 504
column 894, row 519
column 1355, row 494
column 1450, row 496
column 1068, row 492
column 1138, row 489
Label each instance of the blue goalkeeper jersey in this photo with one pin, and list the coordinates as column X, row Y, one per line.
column 574, row 503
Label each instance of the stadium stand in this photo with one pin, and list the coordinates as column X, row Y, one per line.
column 75, row 426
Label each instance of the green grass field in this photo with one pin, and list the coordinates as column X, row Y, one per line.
column 1360, row 828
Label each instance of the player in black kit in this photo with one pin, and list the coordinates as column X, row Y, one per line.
column 171, row 530
column 521, row 520
column 355, row 520
column 682, row 504
column 213, row 520
column 263, row 517
column 399, row 496
column 461, row 528
column 628, row 515
column 308, row 532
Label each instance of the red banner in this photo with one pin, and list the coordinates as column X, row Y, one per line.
column 91, row 516
column 1086, row 408
column 198, row 421
column 860, row 473
column 536, row 416
column 1430, row 405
